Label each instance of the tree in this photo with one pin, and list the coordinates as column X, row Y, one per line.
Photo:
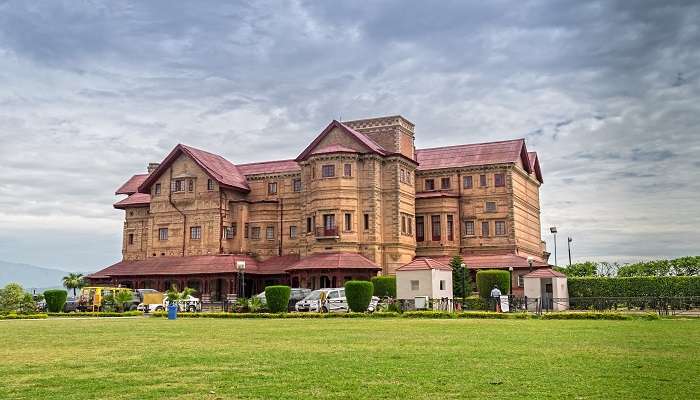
column 121, row 298
column 174, row 296
column 13, row 298
column 588, row 268
column 74, row 281
column 461, row 279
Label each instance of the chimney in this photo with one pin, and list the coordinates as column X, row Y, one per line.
column 393, row 133
column 152, row 166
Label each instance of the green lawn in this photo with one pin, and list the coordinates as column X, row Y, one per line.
column 148, row 358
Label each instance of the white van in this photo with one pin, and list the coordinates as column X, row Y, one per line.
column 335, row 301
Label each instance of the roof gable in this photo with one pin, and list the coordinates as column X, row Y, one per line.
column 424, row 264
column 132, row 185
column 535, row 165
column 364, row 142
column 467, row 155
column 216, row 167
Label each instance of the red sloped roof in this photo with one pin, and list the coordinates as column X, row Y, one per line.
column 269, row 167
column 424, row 263
column 370, row 144
column 277, row 265
column 132, row 185
column 189, row 265
column 334, row 261
column 467, row 155
column 136, row 199
column 486, row 261
column 217, row 167
column 545, row 273
column 535, row 165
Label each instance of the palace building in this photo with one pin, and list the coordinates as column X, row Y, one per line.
column 359, row 201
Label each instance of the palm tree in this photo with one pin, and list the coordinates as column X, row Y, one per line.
column 122, row 297
column 74, row 281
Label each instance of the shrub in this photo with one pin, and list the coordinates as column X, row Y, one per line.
column 55, row 299
column 384, row 286
column 277, row 298
column 487, row 279
column 475, row 303
column 23, row 316
column 13, row 298
column 358, row 295
column 95, row 314
column 639, row 286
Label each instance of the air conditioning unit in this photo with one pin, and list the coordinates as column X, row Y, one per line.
column 421, row 302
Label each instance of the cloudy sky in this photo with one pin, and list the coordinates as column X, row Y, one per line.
column 607, row 92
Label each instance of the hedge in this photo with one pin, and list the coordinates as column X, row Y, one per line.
column 487, row 279
column 23, row 316
column 384, row 286
column 599, row 316
column 277, row 298
column 358, row 295
column 96, row 314
column 55, row 299
column 292, row 315
column 474, row 303
column 638, row 286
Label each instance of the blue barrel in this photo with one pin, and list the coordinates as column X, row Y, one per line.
column 172, row 311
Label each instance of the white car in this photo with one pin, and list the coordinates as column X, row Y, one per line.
column 191, row 304
column 335, row 301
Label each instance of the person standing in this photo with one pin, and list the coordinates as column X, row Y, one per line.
column 496, row 296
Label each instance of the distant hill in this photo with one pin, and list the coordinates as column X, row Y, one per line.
column 30, row 276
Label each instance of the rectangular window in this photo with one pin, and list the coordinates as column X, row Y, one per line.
column 366, row 217
column 469, row 228
column 402, row 175
column 157, row 190
column 429, row 184
column 270, row 233
column 403, row 224
column 521, row 281
column 445, row 183
column 293, row 232
column 420, row 229
column 328, row 221
column 499, row 180
column 210, row 184
column 435, row 227
column 328, row 171
column 308, row 225
column 347, row 170
column 255, row 233
column 490, row 206
column 500, row 228
column 415, row 285
column 482, row 180
column 348, row 222
column 131, row 238
column 468, row 182
column 410, row 226
column 450, row 228
column 231, row 231
column 178, row 185
column 272, row 188
column 195, row 232
column 442, row 284
column 296, row 184
column 246, row 230
column 190, row 185
column 163, row 234
column 485, row 229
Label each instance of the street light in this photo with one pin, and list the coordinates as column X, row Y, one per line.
column 568, row 244
column 240, row 266
column 464, row 283
column 510, row 270
column 554, row 231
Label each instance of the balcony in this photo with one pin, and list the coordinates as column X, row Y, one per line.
column 328, row 232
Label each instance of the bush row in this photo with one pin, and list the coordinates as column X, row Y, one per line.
column 96, row 314
column 638, row 286
column 422, row 315
column 23, row 316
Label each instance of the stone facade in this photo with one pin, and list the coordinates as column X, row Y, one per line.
column 360, row 187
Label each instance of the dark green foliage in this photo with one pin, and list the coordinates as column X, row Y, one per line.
column 55, row 299
column 23, row 316
column 358, row 295
column 475, row 303
column 384, row 286
column 461, row 279
column 599, row 315
column 96, row 314
column 587, row 268
column 13, row 299
column 640, row 286
column 487, row 279
column 685, row 266
column 277, row 298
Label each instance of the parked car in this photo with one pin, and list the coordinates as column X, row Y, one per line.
column 71, row 305
column 335, row 301
column 191, row 304
column 296, row 295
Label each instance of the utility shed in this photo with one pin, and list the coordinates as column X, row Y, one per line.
column 424, row 277
column 549, row 286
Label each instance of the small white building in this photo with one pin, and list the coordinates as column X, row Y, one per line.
column 424, row 277
column 549, row 286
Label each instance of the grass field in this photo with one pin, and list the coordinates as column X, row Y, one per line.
column 149, row 358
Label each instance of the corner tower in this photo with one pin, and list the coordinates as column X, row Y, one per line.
column 395, row 133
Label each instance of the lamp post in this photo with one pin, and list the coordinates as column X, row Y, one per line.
column 464, row 283
column 568, row 244
column 240, row 266
column 510, row 270
column 554, row 231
